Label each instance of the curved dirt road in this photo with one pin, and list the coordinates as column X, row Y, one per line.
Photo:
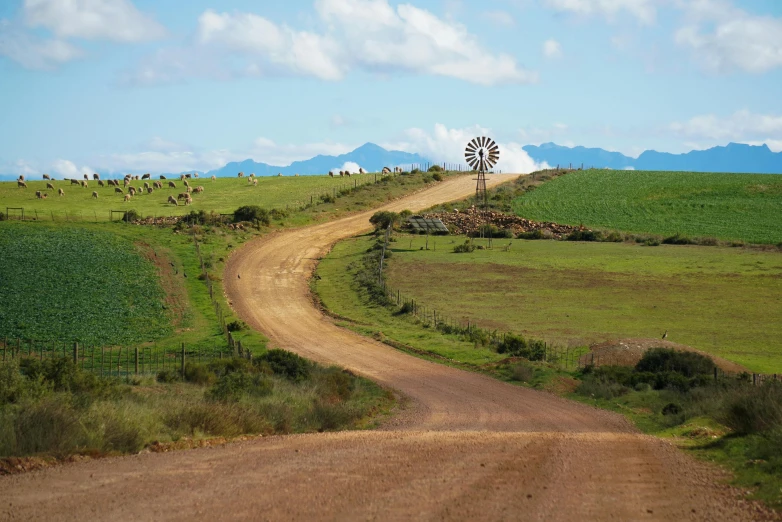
column 469, row 447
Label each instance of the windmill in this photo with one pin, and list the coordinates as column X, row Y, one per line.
column 482, row 154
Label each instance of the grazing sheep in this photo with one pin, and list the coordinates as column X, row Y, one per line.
column 75, row 182
column 347, row 173
column 189, row 189
column 100, row 183
column 136, row 177
column 279, row 174
column 172, row 200
column 186, row 183
column 126, row 182
column 132, row 191
column 21, row 184
column 21, row 178
column 95, row 195
column 127, row 197
column 386, row 170
column 198, row 190
column 96, row 176
column 214, row 178
column 146, row 185
column 188, row 176
column 162, row 177
column 49, row 186
column 119, row 190
column 38, row 194
column 255, row 183
column 249, row 180
column 158, row 185
column 44, row 196
column 183, row 195
column 189, row 200
column 84, row 184
column 61, row 192
column 128, row 176
column 181, row 177
column 46, row 176
column 149, row 190
column 331, row 174
column 361, row 170
column 171, row 184
column 195, row 174
column 86, row 177
column 146, row 176
column 297, row 174
column 241, row 174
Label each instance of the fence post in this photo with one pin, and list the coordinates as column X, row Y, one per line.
column 183, row 360
column 76, row 353
column 136, row 360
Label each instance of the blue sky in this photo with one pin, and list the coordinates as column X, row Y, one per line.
column 167, row 86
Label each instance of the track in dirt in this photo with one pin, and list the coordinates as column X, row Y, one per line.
column 468, row 447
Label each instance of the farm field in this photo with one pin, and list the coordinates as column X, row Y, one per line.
column 81, row 285
column 724, row 301
column 223, row 195
column 745, row 207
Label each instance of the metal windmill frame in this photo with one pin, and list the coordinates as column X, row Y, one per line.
column 482, row 154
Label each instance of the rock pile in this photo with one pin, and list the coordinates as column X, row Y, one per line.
column 472, row 219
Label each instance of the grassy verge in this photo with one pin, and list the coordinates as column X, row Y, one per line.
column 55, row 409
column 714, row 421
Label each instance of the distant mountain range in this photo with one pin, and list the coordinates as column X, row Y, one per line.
column 735, row 157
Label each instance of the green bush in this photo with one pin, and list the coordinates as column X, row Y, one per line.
column 437, row 176
column 233, row 386
column 336, row 384
column 517, row 346
column 236, row 326
column 521, row 372
column 131, row 215
column 253, row 214
column 383, row 219
column 287, row 364
column 436, row 168
column 168, row 376
column 327, row 198
column 532, row 234
column 755, row 409
column 465, row 247
column 678, row 239
column 199, row 374
column 689, row 364
column 583, row 235
column 489, row 230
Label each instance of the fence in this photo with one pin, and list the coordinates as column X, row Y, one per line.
column 115, row 361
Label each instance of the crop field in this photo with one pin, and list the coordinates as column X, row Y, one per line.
column 745, row 207
column 77, row 284
column 223, row 195
column 724, row 301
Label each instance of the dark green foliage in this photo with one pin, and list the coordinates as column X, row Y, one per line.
column 671, row 409
column 678, row 239
column 236, row 326
column 518, row 346
column 168, row 376
column 436, row 168
column 253, row 214
column 415, row 171
column 287, row 364
column 199, row 374
column 521, row 372
column 689, row 364
column 492, row 231
column 131, row 215
column 232, row 386
column 437, row 176
column 755, row 409
column 2, row 216
column 584, row 235
column 464, row 248
column 327, row 198
column 336, row 384
column 383, row 219
column 532, row 234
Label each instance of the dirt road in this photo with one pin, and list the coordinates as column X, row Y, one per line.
column 468, row 447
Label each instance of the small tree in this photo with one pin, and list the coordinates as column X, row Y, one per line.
column 384, row 219
column 252, row 213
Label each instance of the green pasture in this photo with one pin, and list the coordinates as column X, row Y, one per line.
column 223, row 195
column 725, row 301
column 745, row 207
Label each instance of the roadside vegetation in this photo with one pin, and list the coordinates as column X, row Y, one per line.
column 732, row 207
column 53, row 409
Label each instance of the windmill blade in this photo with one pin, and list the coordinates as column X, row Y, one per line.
column 494, row 148
column 474, row 143
column 471, row 147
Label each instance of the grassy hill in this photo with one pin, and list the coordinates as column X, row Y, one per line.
column 744, row 207
column 223, row 195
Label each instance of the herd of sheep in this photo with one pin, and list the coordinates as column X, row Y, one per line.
column 155, row 185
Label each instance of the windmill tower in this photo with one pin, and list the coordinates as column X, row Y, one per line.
column 482, row 154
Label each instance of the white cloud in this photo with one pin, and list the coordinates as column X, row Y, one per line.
column 741, row 125
column 447, row 145
column 338, row 121
column 774, row 145
column 629, row 168
column 349, row 166
column 116, row 20
column 643, row 10
column 723, row 37
column 33, row 52
column 500, row 18
column 369, row 35
column 68, row 169
column 552, row 49
column 267, row 151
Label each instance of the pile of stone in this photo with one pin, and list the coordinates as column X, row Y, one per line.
column 472, row 219
column 158, row 221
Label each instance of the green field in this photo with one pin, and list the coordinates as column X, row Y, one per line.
column 725, row 301
column 744, row 207
column 223, row 195
column 77, row 285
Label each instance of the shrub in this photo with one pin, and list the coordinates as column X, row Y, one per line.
column 287, row 364
column 415, row 171
column 465, row 247
column 755, row 409
column 521, row 372
column 327, row 198
column 613, row 237
column 332, row 416
column 199, row 374
column 168, row 376
column 532, row 234
column 384, row 219
column 131, row 215
column 678, row 239
column 689, row 364
column 336, row 384
column 2, row 216
column 517, row 346
column 437, row 176
column 436, row 168
column 489, row 230
column 652, row 241
column 233, row 386
column 236, row 326
column 583, row 235
column 707, row 241
column 253, row 214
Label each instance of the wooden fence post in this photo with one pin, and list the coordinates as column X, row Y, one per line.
column 136, row 354
column 183, row 360
column 76, row 353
